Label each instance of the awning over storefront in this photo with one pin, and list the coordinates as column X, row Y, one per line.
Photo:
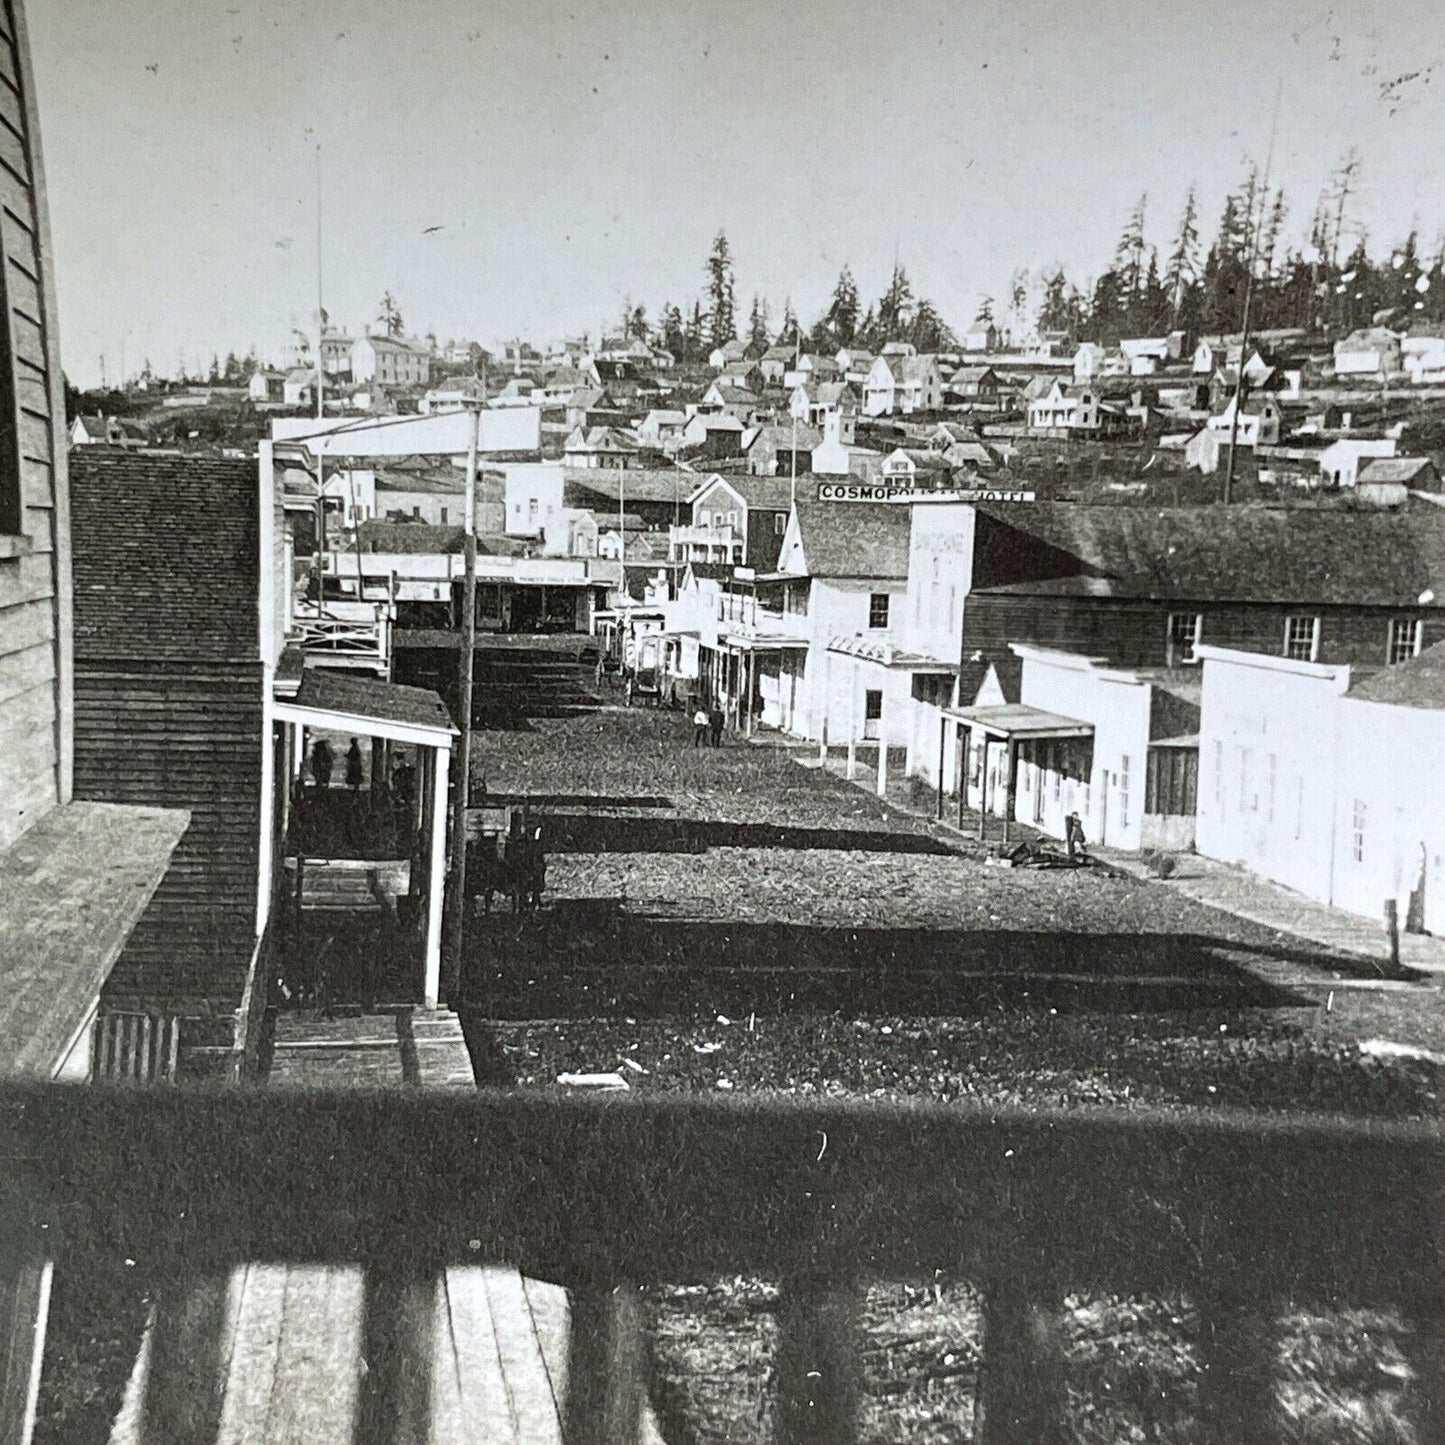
column 887, row 653
column 1017, row 722
column 761, row 642
column 368, row 706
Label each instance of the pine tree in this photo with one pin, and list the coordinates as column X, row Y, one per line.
column 721, row 320
column 388, row 316
column 984, row 315
column 693, row 348
column 636, row 328
column 1129, row 253
column 894, row 305
column 842, row 317
column 789, row 334
column 1181, row 275
column 758, row 326
column 929, row 332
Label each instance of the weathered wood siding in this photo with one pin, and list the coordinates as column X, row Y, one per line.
column 34, row 522
column 169, row 706
column 1133, row 633
column 181, row 737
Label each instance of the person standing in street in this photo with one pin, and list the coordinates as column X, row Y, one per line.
column 321, row 763
column 699, row 728
column 1074, row 835
column 715, row 723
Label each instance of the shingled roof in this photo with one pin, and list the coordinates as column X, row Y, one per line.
column 166, row 556
column 854, row 539
column 1244, row 554
column 372, row 698
column 1416, row 682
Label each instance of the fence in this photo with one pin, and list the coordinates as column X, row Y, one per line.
column 1247, row 1216
column 138, row 1048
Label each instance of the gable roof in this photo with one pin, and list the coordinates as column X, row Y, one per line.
column 166, row 556
column 854, row 539
column 1395, row 469
column 1416, row 682
column 634, row 484
column 1246, row 554
column 765, row 494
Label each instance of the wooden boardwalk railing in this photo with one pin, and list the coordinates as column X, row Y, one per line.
column 1248, row 1217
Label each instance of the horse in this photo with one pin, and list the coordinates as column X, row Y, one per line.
column 515, row 866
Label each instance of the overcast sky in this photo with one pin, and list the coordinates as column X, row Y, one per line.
column 571, row 155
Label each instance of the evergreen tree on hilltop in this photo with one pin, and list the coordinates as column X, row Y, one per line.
column 670, row 330
column 388, row 317
column 842, row 317
column 1181, row 273
column 928, row 331
column 790, row 333
column 758, row 337
column 721, row 315
column 894, row 306
column 1130, row 252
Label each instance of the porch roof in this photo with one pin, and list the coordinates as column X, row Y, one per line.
column 369, row 706
column 743, row 641
column 1018, row 721
column 887, row 653
column 71, row 890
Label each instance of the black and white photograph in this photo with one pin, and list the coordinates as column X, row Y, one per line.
column 722, row 724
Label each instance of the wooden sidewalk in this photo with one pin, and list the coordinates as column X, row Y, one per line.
column 293, row 1336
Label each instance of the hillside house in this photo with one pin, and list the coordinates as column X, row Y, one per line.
column 454, row 393
column 973, row 386
column 736, row 520
column 775, row 363
column 391, row 361
column 662, row 428
column 336, row 352
column 1066, row 407
column 1340, row 462
column 1259, row 423
column 814, row 403
column 714, row 436
column 720, row 356
column 1372, row 351
column 902, row 384
column 722, row 396
column 981, row 337
column 780, row 449
column 266, row 386
column 811, row 368
column 600, row 447
column 1423, row 357
column 1417, row 474
column 854, row 363
column 299, row 387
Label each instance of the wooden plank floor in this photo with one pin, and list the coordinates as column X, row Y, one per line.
column 294, row 1333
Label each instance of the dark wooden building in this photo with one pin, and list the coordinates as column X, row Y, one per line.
column 1143, row 587
column 168, row 707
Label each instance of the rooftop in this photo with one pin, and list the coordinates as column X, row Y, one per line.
column 166, row 556
column 1417, row 682
column 854, row 539
column 1253, row 554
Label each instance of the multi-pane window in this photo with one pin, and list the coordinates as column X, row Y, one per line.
column 878, row 609
column 780, row 523
column 1302, row 638
column 1184, row 632
column 1404, row 639
column 1124, row 790
column 1357, row 831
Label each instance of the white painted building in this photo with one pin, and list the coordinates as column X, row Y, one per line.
column 1340, row 462
column 1337, row 792
column 532, row 496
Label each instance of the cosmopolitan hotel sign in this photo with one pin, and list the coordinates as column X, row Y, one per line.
column 889, row 492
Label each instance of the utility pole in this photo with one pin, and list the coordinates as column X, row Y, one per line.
column 320, row 441
column 456, row 901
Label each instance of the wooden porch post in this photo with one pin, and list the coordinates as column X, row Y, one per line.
column 960, row 754
column 1011, row 758
column 983, row 790
column 436, row 880
column 750, row 673
column 942, row 745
